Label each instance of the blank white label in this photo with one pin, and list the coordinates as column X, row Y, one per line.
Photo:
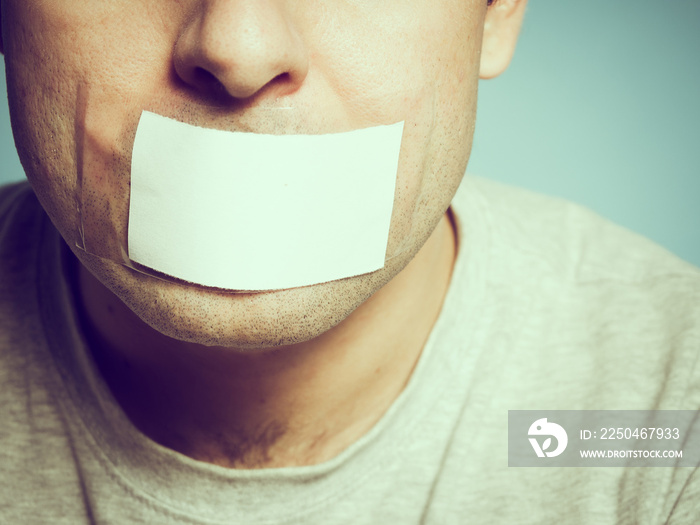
column 245, row 211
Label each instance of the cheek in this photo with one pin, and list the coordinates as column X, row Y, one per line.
column 418, row 64
column 383, row 59
column 41, row 100
column 74, row 69
column 355, row 54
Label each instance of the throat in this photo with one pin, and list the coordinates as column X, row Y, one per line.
column 240, row 448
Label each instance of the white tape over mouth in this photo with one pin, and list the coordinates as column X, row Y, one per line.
column 246, row 211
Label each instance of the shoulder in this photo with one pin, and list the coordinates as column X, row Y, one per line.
column 540, row 243
column 19, row 213
column 613, row 315
column 578, row 314
column 569, row 239
column 34, row 426
column 21, row 223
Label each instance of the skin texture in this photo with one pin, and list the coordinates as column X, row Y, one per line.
column 79, row 75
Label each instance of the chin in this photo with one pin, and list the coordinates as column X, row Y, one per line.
column 239, row 321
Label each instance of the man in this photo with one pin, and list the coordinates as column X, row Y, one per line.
column 376, row 398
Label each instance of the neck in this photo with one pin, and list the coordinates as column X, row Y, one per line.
column 295, row 405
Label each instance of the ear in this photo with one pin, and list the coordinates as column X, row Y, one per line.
column 501, row 29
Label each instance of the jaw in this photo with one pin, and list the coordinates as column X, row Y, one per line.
column 242, row 321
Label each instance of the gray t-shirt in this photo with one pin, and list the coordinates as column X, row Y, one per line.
column 550, row 307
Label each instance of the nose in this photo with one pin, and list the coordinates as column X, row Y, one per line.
column 244, row 47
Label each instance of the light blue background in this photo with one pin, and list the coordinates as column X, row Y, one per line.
column 601, row 105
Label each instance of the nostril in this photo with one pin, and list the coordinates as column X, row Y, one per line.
column 203, row 77
column 282, row 83
column 281, row 78
column 209, row 85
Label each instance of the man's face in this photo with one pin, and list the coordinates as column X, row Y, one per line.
column 80, row 73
